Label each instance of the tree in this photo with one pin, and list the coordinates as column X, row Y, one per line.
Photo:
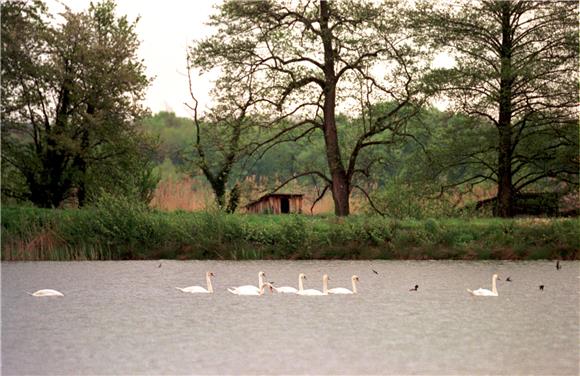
column 219, row 141
column 306, row 58
column 71, row 95
column 515, row 63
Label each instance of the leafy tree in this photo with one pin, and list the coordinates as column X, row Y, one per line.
column 306, row 58
column 516, row 70
column 71, row 95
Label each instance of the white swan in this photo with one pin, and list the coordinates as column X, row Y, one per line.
column 312, row 292
column 288, row 289
column 342, row 290
column 251, row 292
column 46, row 292
column 199, row 289
column 250, row 288
column 486, row 292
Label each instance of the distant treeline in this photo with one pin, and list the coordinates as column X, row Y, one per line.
column 117, row 230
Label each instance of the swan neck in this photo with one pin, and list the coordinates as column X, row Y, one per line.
column 260, row 280
column 493, row 285
column 324, row 285
column 354, row 286
column 300, row 284
column 209, row 286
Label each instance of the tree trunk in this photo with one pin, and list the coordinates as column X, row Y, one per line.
column 49, row 188
column 340, row 186
column 505, row 194
column 81, row 159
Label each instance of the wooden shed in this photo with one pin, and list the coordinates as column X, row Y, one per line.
column 276, row 203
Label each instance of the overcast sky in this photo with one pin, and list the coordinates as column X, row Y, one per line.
column 165, row 28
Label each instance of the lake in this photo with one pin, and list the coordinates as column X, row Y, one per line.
column 126, row 317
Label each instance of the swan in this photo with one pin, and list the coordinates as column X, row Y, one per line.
column 288, row 289
column 312, row 292
column 250, row 288
column 486, row 292
column 251, row 292
column 342, row 290
column 46, row 292
column 199, row 289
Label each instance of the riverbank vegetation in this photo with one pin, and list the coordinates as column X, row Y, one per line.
column 116, row 230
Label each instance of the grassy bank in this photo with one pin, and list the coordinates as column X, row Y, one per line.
column 122, row 231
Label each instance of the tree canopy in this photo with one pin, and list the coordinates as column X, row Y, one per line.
column 516, row 72
column 306, row 58
column 71, row 92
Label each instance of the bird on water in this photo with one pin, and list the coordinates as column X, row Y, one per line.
column 416, row 288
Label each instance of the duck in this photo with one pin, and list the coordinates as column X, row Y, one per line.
column 199, row 289
column 416, row 288
column 486, row 292
column 341, row 290
column 46, row 292
column 312, row 292
column 250, row 288
column 249, row 292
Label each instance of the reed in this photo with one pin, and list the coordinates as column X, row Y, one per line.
column 116, row 229
column 194, row 194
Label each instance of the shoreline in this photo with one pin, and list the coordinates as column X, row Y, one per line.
column 141, row 234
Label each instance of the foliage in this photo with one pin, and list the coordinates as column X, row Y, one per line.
column 301, row 60
column 71, row 96
column 513, row 64
column 117, row 228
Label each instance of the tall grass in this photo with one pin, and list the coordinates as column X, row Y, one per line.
column 116, row 229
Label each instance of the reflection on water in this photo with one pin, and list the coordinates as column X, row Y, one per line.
column 127, row 318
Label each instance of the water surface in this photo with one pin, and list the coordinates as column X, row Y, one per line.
column 127, row 318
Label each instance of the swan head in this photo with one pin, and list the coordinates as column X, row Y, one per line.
column 325, row 277
column 209, row 274
column 261, row 274
column 267, row 284
column 495, row 276
column 302, row 276
column 354, row 278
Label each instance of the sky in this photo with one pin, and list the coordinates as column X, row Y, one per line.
column 165, row 29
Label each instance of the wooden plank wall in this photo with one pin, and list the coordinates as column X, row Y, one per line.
column 273, row 205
